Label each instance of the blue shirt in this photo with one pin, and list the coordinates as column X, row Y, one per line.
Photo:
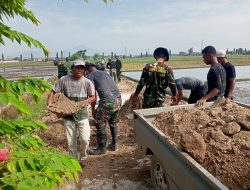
column 104, row 85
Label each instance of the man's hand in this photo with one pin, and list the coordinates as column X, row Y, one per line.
column 201, row 102
column 173, row 101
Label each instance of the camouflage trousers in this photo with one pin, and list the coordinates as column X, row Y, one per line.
column 107, row 113
column 152, row 101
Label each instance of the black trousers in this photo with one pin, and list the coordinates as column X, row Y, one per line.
column 195, row 96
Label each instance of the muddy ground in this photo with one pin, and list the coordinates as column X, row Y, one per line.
column 126, row 168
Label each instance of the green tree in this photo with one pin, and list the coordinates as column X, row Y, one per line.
column 2, row 57
column 81, row 54
column 190, row 51
column 9, row 10
column 96, row 57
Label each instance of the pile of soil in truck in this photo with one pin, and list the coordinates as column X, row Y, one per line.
column 218, row 137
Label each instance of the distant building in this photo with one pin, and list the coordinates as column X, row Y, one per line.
column 182, row 53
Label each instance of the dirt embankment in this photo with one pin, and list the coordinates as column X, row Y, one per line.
column 217, row 137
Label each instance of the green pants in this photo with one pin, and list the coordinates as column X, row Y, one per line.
column 107, row 113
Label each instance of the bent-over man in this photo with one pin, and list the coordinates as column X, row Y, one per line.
column 198, row 89
column 108, row 108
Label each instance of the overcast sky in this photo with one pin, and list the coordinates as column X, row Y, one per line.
column 134, row 26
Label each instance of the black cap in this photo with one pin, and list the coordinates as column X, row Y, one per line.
column 161, row 52
column 87, row 65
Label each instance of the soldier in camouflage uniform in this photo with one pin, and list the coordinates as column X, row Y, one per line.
column 156, row 77
column 119, row 67
column 62, row 69
column 108, row 108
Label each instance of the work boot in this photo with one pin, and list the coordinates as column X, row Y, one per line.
column 114, row 133
column 98, row 151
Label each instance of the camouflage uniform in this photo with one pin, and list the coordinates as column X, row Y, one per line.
column 156, row 79
column 119, row 67
column 62, row 70
column 107, row 112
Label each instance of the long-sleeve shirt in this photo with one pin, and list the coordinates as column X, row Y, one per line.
column 156, row 79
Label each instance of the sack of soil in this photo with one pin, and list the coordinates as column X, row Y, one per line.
column 63, row 106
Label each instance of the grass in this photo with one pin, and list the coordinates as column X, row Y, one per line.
column 180, row 62
column 132, row 64
column 38, row 109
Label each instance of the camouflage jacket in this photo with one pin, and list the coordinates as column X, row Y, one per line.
column 156, row 79
column 62, row 70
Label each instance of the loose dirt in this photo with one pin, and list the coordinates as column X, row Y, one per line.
column 217, row 137
column 126, row 168
column 62, row 106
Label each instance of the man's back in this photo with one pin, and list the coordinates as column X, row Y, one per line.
column 188, row 83
column 104, row 84
column 111, row 65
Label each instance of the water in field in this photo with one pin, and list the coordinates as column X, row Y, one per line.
column 242, row 89
column 242, row 72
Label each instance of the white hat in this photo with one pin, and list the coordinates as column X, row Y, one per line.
column 78, row 63
column 221, row 53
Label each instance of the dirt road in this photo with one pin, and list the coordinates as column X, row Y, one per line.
column 126, row 168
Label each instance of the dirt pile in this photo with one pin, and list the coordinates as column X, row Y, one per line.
column 218, row 137
column 63, row 106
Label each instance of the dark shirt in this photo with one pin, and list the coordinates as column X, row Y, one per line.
column 231, row 73
column 118, row 64
column 216, row 78
column 104, row 85
column 188, row 83
column 111, row 65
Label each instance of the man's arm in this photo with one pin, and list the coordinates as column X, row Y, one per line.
column 210, row 95
column 93, row 104
column 179, row 96
column 50, row 97
column 231, row 88
column 143, row 79
column 108, row 65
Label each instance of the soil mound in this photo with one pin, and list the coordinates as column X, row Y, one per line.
column 218, row 137
column 63, row 106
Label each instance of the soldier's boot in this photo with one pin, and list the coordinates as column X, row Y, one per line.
column 114, row 134
column 101, row 141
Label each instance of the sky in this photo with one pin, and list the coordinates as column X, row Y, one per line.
column 133, row 26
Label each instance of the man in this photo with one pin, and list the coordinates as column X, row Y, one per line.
column 111, row 65
column 119, row 67
column 198, row 89
column 77, row 88
column 108, row 108
column 156, row 77
column 62, row 69
column 100, row 66
column 216, row 77
column 231, row 74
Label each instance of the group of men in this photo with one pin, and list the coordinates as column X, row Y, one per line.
column 115, row 67
column 87, row 79
column 158, row 76
column 81, row 85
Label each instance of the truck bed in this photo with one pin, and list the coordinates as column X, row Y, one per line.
column 183, row 172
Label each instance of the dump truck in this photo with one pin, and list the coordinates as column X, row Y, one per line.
column 171, row 169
